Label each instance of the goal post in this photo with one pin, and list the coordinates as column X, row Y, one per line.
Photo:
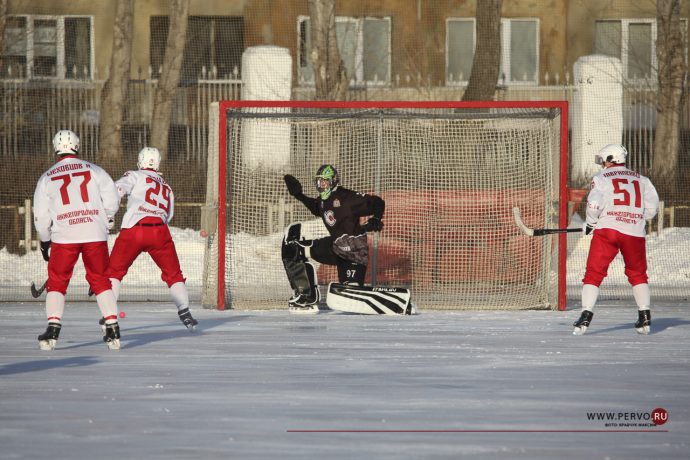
column 449, row 172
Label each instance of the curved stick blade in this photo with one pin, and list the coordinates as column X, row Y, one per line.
column 518, row 221
column 35, row 293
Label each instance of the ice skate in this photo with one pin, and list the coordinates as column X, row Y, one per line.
column 112, row 336
column 644, row 322
column 295, row 309
column 48, row 339
column 304, row 305
column 187, row 319
column 101, row 322
column 582, row 324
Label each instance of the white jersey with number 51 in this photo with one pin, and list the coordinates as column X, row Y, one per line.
column 148, row 196
column 621, row 199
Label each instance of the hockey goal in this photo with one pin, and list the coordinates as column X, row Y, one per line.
column 450, row 173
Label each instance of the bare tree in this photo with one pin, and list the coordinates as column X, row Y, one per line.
column 672, row 71
column 114, row 96
column 487, row 55
column 330, row 76
column 170, row 75
column 3, row 22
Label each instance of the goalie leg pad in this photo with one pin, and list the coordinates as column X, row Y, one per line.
column 301, row 274
column 293, row 247
column 290, row 249
column 292, row 233
column 368, row 300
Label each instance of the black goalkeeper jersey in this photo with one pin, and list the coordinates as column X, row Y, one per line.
column 342, row 210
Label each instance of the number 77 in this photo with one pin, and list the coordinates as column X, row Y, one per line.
column 67, row 179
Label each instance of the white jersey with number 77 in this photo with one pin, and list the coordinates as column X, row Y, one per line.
column 73, row 201
column 148, row 196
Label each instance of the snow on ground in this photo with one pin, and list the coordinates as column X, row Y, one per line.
column 669, row 269
column 267, row 384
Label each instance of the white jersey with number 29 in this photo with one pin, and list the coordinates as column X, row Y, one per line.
column 621, row 199
column 72, row 202
column 148, row 196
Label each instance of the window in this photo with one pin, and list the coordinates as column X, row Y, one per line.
column 633, row 41
column 213, row 49
column 519, row 51
column 58, row 47
column 630, row 40
column 460, row 43
column 364, row 45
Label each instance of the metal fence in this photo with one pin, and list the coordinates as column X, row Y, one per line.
column 32, row 111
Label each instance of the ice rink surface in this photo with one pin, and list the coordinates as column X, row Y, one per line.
column 270, row 385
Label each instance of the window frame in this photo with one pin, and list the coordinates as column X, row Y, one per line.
column 504, row 75
column 204, row 74
column 61, row 72
column 625, row 46
column 457, row 82
column 504, row 72
column 654, row 63
column 357, row 80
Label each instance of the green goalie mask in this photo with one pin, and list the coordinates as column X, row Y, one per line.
column 327, row 180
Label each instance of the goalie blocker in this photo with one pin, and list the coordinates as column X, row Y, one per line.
column 368, row 300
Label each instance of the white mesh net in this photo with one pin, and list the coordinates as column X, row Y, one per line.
column 450, row 178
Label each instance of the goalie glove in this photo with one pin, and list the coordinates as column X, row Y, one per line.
column 374, row 224
column 111, row 222
column 587, row 228
column 293, row 185
column 45, row 250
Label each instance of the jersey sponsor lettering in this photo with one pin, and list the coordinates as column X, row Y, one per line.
column 81, row 212
column 148, row 195
column 631, row 215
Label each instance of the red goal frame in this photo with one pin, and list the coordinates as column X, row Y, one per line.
column 224, row 106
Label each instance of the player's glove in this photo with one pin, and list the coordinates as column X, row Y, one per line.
column 111, row 222
column 45, row 250
column 587, row 229
column 293, row 185
column 374, row 224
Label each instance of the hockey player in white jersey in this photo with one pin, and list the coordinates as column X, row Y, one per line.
column 150, row 206
column 618, row 205
column 74, row 205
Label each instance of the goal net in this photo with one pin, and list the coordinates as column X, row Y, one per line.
column 449, row 172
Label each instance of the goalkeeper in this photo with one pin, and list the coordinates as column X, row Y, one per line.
column 346, row 247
